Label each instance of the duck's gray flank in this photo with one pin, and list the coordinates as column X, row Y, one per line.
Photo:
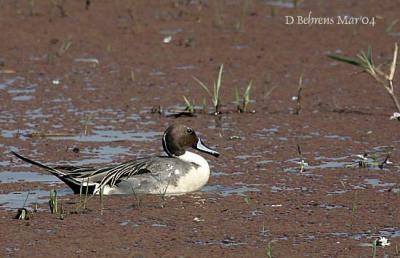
column 180, row 172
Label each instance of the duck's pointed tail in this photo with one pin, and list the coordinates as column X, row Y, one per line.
column 74, row 184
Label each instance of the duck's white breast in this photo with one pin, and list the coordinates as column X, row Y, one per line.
column 195, row 178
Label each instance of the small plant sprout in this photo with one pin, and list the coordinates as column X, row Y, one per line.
column 23, row 213
column 302, row 163
column 374, row 248
column 101, row 200
column 53, row 202
column 269, row 249
column 367, row 65
column 137, row 197
column 298, row 97
column 64, row 47
column 86, row 123
column 189, row 106
column 215, row 95
column 62, row 212
column 163, row 195
column 243, row 102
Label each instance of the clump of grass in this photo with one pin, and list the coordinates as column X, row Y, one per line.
column 215, row 95
column 53, row 202
column 365, row 62
column 189, row 106
column 83, row 195
column 243, row 101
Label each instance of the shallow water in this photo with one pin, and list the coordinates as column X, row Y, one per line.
column 16, row 200
column 112, row 135
column 17, row 177
column 237, row 189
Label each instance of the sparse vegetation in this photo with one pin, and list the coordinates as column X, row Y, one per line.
column 64, row 47
column 189, row 106
column 215, row 95
column 366, row 63
column 163, row 195
column 374, row 244
column 243, row 101
column 53, row 202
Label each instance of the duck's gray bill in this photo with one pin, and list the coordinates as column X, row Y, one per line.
column 202, row 147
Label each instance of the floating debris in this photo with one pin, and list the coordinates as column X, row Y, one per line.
column 55, row 82
column 382, row 241
column 167, row 39
column 197, row 219
column 234, row 137
column 87, row 60
column 43, row 134
column 368, row 161
column 7, row 71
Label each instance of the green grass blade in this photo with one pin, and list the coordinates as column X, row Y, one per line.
column 202, row 85
column 247, row 92
column 237, row 97
column 221, row 69
column 188, row 104
column 369, row 55
column 345, row 59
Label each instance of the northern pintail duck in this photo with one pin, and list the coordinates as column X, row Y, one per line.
column 180, row 172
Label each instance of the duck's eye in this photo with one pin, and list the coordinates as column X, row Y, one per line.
column 189, row 130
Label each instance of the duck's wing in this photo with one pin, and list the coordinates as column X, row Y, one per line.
column 125, row 170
